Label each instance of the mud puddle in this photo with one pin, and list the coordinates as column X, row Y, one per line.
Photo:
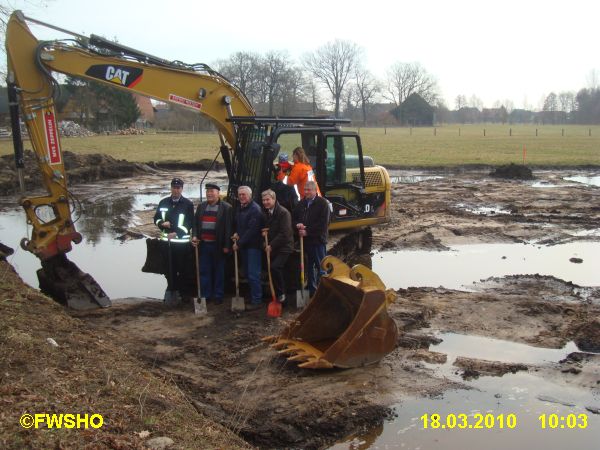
column 589, row 180
column 479, row 347
column 411, row 179
column 464, row 264
column 492, row 412
column 520, row 396
column 108, row 211
column 115, row 265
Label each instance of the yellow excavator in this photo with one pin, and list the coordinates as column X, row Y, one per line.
column 358, row 190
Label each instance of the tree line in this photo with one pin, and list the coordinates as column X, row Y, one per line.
column 333, row 80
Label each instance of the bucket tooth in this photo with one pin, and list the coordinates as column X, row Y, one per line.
column 301, row 357
column 316, row 364
column 269, row 339
column 287, row 351
column 279, row 345
column 291, row 349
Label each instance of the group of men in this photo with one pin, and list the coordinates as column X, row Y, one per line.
column 217, row 230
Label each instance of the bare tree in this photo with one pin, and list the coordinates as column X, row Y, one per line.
column 242, row 69
column 313, row 92
column 567, row 101
column 366, row 88
column 551, row 102
column 273, row 68
column 476, row 102
column 293, row 89
column 460, row 102
column 404, row 79
column 333, row 65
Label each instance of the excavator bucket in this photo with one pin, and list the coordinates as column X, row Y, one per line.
column 62, row 280
column 346, row 323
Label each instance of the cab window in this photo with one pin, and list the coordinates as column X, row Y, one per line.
column 342, row 163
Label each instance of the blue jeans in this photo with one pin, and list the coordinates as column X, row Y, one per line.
column 252, row 260
column 212, row 270
column 314, row 255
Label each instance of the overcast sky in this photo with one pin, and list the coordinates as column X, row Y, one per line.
column 516, row 50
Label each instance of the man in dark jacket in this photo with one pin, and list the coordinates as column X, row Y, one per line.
column 248, row 239
column 278, row 228
column 173, row 217
column 311, row 218
column 212, row 231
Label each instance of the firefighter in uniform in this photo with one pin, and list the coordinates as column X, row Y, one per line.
column 174, row 217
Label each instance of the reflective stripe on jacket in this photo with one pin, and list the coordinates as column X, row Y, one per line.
column 179, row 213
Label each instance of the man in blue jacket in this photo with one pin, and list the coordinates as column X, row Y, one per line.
column 248, row 239
column 173, row 217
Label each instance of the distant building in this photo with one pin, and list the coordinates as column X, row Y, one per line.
column 415, row 112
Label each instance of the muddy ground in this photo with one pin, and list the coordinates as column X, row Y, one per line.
column 228, row 375
column 273, row 404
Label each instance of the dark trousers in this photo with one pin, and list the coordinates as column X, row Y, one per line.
column 277, row 272
column 314, row 255
column 252, row 263
column 176, row 256
column 212, row 270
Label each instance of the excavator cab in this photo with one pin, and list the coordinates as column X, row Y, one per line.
column 346, row 323
column 358, row 191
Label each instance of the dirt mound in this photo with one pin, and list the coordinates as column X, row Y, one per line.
column 52, row 363
column 474, row 368
column 80, row 169
column 513, row 171
column 588, row 336
column 203, row 164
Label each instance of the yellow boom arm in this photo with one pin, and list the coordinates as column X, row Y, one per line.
column 30, row 63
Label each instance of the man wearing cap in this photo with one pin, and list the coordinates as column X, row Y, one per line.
column 174, row 217
column 212, row 231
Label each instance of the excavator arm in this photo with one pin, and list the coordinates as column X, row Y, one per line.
column 30, row 66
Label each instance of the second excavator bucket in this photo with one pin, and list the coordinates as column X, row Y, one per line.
column 346, row 323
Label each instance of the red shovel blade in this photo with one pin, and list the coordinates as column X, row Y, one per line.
column 274, row 309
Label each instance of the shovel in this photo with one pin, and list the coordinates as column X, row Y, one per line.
column 274, row 309
column 199, row 301
column 169, row 295
column 237, row 302
column 301, row 294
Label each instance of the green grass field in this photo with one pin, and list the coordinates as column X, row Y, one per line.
column 452, row 145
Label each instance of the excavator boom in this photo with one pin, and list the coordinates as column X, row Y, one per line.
column 32, row 90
